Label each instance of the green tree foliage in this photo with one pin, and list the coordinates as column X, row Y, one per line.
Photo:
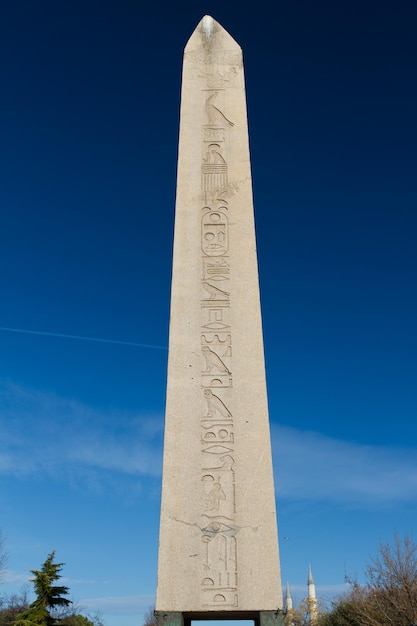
column 75, row 619
column 50, row 607
column 389, row 597
column 49, row 597
column 392, row 578
column 11, row 607
column 295, row 617
column 342, row 613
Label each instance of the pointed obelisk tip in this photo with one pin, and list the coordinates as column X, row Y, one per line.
column 207, row 25
column 210, row 34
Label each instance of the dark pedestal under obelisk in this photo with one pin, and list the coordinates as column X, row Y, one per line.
column 218, row 552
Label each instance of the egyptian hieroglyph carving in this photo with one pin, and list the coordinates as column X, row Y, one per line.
column 219, row 586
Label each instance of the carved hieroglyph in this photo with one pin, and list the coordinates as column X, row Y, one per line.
column 218, row 538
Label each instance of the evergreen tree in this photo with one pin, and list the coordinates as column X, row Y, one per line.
column 49, row 597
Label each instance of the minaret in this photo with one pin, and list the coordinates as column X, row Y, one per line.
column 218, row 543
column 288, row 599
column 312, row 599
column 289, row 617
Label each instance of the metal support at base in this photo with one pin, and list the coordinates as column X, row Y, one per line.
column 271, row 618
column 260, row 618
column 169, row 618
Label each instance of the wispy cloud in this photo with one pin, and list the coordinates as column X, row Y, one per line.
column 119, row 605
column 312, row 466
column 326, row 594
column 321, row 590
column 13, row 578
column 45, row 434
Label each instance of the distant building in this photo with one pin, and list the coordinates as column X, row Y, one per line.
column 309, row 604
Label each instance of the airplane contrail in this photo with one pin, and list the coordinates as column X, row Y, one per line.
column 62, row 335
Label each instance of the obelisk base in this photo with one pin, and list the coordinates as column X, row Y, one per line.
column 260, row 618
column 271, row 618
column 169, row 618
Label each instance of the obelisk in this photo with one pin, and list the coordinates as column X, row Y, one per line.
column 218, row 551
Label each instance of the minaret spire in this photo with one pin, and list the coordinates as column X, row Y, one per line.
column 288, row 599
column 312, row 599
column 310, row 583
column 289, row 618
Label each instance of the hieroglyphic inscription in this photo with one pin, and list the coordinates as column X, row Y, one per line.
column 214, row 235
column 218, row 549
column 214, row 169
column 219, row 584
column 219, row 68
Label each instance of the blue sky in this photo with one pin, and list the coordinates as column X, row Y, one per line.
column 89, row 124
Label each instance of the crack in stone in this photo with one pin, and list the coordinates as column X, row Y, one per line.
column 210, row 531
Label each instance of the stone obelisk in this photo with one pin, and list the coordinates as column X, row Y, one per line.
column 218, row 551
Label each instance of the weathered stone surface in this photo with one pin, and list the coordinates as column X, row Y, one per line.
column 218, row 537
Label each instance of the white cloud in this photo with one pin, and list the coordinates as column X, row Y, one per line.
column 119, row 605
column 321, row 590
column 45, row 434
column 325, row 591
column 14, row 578
column 312, row 466
column 326, row 594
